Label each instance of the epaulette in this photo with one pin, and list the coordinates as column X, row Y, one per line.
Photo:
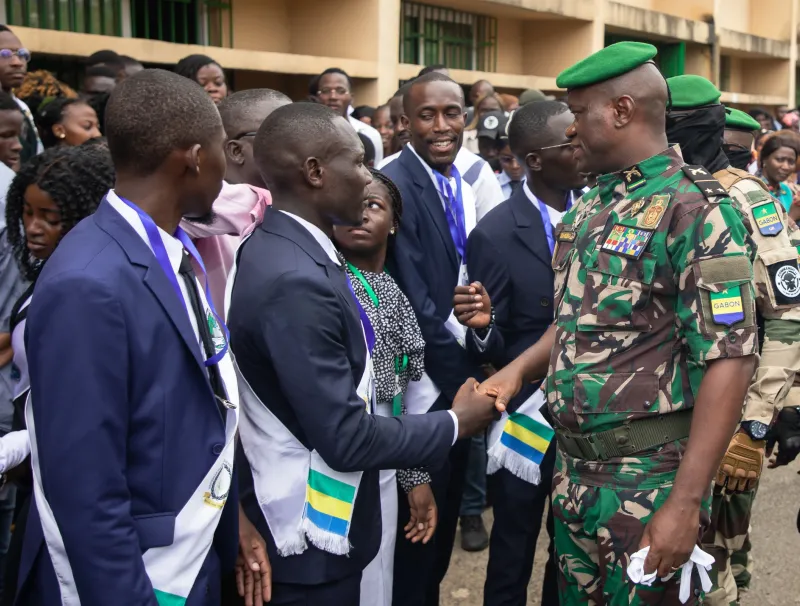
column 703, row 179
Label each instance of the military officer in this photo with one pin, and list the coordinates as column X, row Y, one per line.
column 697, row 121
column 652, row 348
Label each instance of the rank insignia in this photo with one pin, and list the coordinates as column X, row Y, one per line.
column 710, row 187
column 767, row 218
column 566, row 235
column 727, row 307
column 627, row 241
column 636, row 207
column 634, row 178
column 654, row 212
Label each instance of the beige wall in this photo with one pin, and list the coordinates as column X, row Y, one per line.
column 552, row 46
column 338, row 28
column 733, row 14
column 771, row 18
column 698, row 60
column 688, row 9
column 261, row 25
column 510, row 46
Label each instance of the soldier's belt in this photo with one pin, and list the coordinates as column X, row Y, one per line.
column 633, row 437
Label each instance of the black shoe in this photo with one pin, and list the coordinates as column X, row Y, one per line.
column 473, row 534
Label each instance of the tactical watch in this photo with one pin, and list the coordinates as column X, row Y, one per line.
column 755, row 429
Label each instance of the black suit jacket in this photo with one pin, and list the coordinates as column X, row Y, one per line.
column 508, row 253
column 298, row 340
column 425, row 264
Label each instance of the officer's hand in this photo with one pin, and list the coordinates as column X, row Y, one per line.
column 423, row 514
column 474, row 410
column 786, row 434
column 671, row 534
column 503, row 385
column 741, row 465
column 472, row 306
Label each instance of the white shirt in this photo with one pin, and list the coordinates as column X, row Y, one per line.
column 505, row 184
column 330, row 250
column 485, row 189
column 174, row 253
column 488, row 192
column 14, row 449
column 555, row 216
column 374, row 136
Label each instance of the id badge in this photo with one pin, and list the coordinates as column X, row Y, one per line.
column 463, row 278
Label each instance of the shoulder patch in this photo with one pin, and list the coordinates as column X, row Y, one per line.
column 711, row 188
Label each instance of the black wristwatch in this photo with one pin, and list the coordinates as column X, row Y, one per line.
column 755, row 429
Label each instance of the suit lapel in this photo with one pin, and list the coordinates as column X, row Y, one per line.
column 530, row 230
column 155, row 279
column 430, row 200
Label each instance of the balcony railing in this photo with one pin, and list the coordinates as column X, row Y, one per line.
column 206, row 22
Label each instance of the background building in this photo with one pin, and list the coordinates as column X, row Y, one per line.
column 747, row 47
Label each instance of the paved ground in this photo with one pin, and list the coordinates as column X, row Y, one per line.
column 776, row 545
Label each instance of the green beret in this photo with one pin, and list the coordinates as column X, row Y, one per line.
column 612, row 61
column 736, row 119
column 691, row 91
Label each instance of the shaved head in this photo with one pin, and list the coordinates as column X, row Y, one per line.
column 619, row 122
column 245, row 111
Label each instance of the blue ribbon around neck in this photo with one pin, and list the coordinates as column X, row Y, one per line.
column 454, row 210
column 160, row 251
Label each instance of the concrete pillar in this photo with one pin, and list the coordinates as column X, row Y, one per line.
column 388, row 43
column 599, row 25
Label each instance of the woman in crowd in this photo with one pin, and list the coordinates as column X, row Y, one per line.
column 382, row 122
column 49, row 196
column 66, row 122
column 777, row 162
column 398, row 358
column 40, row 85
column 488, row 103
column 207, row 73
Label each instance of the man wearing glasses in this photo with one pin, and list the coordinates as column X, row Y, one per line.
column 13, row 67
column 335, row 91
column 508, row 258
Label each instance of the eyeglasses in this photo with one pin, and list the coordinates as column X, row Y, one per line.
column 567, row 144
column 250, row 134
column 22, row 53
column 340, row 90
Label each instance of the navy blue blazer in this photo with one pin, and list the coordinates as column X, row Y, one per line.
column 508, row 253
column 127, row 425
column 425, row 264
column 298, row 341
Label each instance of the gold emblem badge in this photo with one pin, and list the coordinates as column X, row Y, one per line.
column 636, row 207
column 657, row 208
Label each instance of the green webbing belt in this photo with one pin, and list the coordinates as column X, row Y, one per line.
column 401, row 361
column 628, row 439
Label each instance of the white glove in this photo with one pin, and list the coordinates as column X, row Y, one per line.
column 699, row 559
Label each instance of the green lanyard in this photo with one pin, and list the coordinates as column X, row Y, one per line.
column 401, row 361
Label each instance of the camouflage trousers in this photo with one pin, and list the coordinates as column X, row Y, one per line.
column 596, row 531
column 727, row 539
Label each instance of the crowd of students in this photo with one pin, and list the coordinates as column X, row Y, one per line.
column 242, row 338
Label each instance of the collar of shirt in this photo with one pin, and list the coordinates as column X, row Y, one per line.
column 555, row 215
column 429, row 170
column 651, row 168
column 319, row 235
column 172, row 244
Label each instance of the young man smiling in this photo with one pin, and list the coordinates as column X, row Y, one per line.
column 428, row 263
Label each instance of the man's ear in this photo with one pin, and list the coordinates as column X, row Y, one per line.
column 624, row 110
column 314, row 172
column 233, row 151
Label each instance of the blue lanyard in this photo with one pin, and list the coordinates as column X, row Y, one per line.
column 454, row 210
column 160, row 251
column 548, row 225
column 369, row 332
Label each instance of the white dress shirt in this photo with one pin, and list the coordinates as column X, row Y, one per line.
column 374, row 136
column 330, row 250
column 175, row 253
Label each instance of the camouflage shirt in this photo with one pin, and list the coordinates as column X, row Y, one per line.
column 777, row 278
column 653, row 278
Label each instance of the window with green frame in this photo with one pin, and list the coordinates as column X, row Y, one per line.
column 431, row 35
column 208, row 22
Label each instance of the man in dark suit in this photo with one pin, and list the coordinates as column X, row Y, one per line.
column 428, row 263
column 132, row 413
column 508, row 308
column 299, row 343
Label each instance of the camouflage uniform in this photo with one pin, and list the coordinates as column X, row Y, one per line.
column 653, row 279
column 779, row 308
